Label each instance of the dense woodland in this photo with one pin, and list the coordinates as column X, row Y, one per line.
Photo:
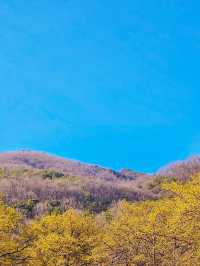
column 48, row 217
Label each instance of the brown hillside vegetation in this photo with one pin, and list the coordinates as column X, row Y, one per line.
column 38, row 160
column 182, row 170
column 38, row 183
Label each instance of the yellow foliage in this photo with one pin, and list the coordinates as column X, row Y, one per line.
column 163, row 232
column 67, row 239
column 13, row 240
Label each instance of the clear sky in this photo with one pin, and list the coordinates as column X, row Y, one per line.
column 115, row 83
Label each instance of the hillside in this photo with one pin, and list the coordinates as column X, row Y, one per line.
column 182, row 170
column 56, row 211
column 37, row 183
column 38, row 160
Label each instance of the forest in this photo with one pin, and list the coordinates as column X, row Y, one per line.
column 152, row 232
column 159, row 228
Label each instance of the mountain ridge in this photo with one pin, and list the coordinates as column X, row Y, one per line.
column 181, row 169
column 43, row 160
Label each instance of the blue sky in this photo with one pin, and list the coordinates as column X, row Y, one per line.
column 109, row 82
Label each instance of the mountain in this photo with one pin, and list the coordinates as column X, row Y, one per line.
column 182, row 170
column 37, row 183
column 53, row 182
column 38, row 160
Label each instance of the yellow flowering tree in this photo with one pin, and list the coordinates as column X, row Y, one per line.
column 65, row 239
column 13, row 239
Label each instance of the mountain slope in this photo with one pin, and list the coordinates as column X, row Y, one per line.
column 182, row 170
column 49, row 182
column 40, row 160
column 38, row 183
